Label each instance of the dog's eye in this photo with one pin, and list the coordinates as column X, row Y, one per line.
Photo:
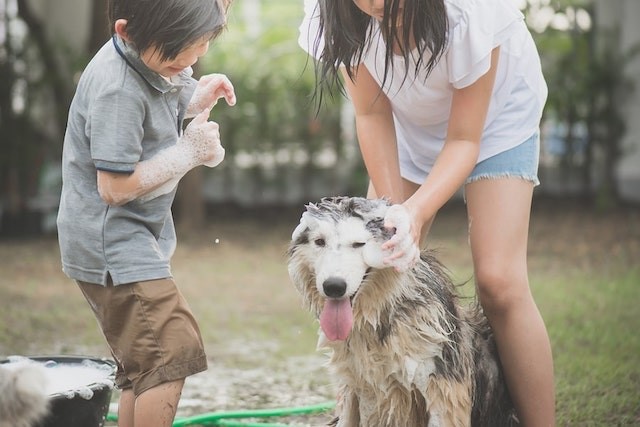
column 356, row 245
column 319, row 242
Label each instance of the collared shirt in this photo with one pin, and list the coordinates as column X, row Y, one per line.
column 122, row 113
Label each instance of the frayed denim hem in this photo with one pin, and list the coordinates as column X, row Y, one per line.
column 483, row 176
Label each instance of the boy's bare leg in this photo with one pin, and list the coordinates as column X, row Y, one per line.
column 125, row 408
column 154, row 407
column 157, row 406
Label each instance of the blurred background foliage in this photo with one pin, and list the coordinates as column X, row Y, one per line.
column 282, row 148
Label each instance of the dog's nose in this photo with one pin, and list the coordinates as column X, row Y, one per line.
column 334, row 287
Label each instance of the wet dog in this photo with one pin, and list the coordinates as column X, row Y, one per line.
column 23, row 400
column 404, row 348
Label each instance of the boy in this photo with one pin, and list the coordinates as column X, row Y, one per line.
column 124, row 153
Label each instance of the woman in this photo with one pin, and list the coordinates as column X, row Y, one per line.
column 450, row 93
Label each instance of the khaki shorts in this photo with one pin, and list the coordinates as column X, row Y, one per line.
column 150, row 330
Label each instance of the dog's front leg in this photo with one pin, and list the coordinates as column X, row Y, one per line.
column 348, row 408
column 449, row 403
column 435, row 420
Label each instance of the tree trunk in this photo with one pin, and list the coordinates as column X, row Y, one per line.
column 99, row 25
column 190, row 216
column 189, row 199
column 61, row 83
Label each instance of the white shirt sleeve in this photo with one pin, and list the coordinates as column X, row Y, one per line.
column 476, row 28
column 310, row 39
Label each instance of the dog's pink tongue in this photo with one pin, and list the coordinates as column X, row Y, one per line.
column 336, row 319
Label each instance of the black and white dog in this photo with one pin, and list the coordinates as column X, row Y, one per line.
column 404, row 349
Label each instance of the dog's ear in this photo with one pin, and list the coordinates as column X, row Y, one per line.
column 372, row 253
column 306, row 222
column 374, row 215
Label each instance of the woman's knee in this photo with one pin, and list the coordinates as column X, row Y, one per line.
column 501, row 289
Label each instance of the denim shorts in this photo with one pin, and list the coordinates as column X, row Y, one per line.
column 520, row 161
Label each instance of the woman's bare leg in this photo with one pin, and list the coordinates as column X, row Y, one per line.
column 499, row 212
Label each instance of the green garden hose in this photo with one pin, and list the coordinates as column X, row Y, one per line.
column 226, row 418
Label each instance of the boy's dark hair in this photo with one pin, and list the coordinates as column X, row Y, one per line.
column 345, row 28
column 168, row 25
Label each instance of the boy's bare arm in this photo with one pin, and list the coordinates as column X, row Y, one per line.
column 158, row 175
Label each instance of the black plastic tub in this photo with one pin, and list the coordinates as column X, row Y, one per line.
column 75, row 409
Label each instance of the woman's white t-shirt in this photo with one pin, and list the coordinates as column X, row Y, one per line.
column 421, row 107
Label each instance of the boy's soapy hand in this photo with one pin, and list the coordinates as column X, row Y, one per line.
column 159, row 175
column 210, row 88
column 202, row 140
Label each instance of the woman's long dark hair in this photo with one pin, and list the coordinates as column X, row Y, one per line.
column 345, row 30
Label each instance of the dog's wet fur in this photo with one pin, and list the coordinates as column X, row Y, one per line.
column 23, row 398
column 416, row 354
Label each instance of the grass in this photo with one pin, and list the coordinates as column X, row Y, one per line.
column 584, row 273
column 593, row 322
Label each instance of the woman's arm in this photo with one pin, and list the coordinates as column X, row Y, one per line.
column 376, row 133
column 452, row 167
column 460, row 152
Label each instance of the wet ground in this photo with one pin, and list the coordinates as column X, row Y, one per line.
column 262, row 341
column 294, row 383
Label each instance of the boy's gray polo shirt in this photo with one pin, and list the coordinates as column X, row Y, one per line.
column 122, row 113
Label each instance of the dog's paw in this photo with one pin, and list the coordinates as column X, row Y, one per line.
column 333, row 422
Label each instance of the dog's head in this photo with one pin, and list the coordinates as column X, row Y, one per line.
column 333, row 249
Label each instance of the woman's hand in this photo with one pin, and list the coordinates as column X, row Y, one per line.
column 403, row 247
